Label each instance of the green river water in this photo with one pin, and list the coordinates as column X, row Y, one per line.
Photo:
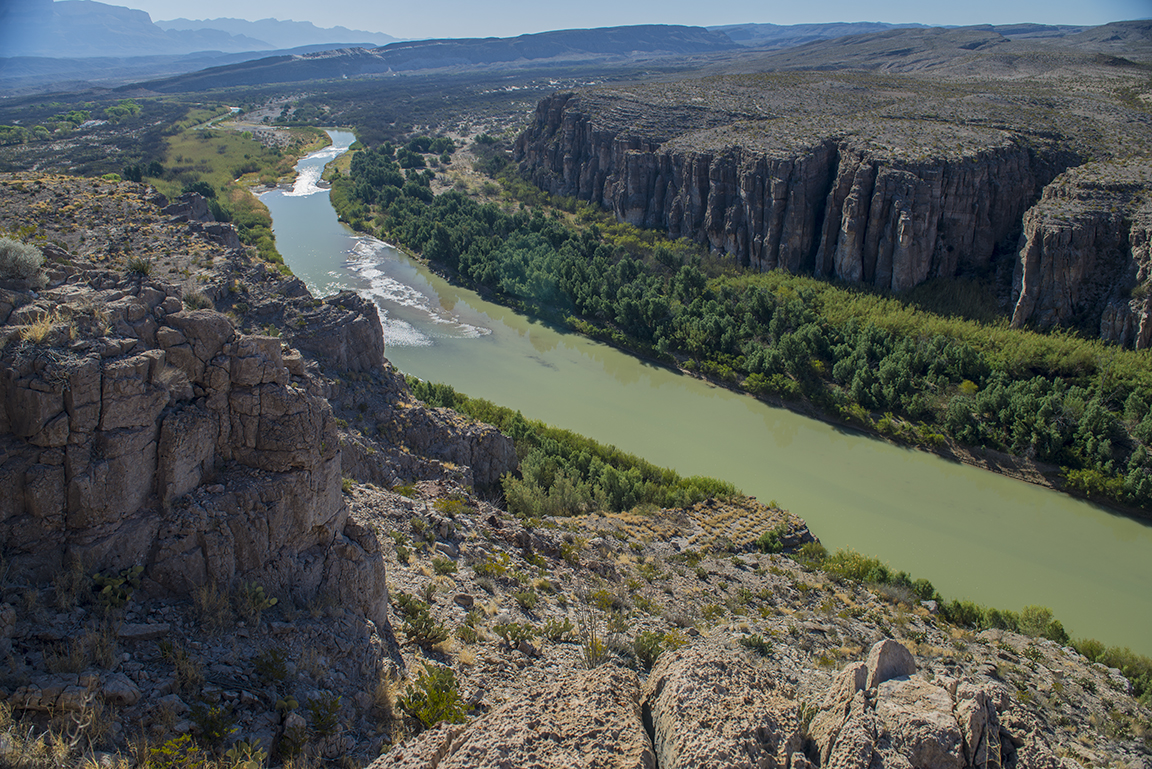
column 974, row 534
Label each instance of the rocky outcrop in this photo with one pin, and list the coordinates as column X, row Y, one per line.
column 100, row 437
column 884, row 202
column 1086, row 254
column 710, row 705
column 879, row 712
column 579, row 718
column 191, row 207
column 205, row 455
column 343, row 331
column 887, row 660
column 708, row 708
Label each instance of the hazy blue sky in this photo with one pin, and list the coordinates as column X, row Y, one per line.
column 479, row 18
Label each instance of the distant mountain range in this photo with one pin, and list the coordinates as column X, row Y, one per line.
column 75, row 29
column 775, row 36
column 279, row 34
column 967, row 51
column 561, row 47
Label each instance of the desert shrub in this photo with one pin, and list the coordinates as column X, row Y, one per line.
column 117, row 589
column 557, row 630
column 139, row 266
column 405, row 490
column 188, row 672
column 812, row 554
column 451, row 507
column 648, row 646
column 769, row 542
column 850, row 565
column 756, row 643
column 1038, row 621
column 324, row 712
column 963, row 613
column 214, row 723
column 196, row 300
column 1137, row 668
column 68, row 584
column 527, row 599
column 19, row 260
column 271, row 665
column 178, row 753
column 213, row 607
column 202, row 188
column 515, row 632
column 468, row 634
column 495, row 565
column 433, row 697
column 252, row 601
column 443, row 566
column 419, row 625
column 245, row 755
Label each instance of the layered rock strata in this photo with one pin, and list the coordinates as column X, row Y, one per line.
column 890, row 203
column 1086, row 254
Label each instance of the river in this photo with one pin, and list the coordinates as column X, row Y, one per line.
column 974, row 534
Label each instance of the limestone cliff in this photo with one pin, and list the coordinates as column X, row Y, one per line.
column 1086, row 254
column 136, row 431
column 890, row 203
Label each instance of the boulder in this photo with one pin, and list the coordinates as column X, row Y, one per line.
column 344, row 332
column 915, row 722
column 903, row 720
column 888, row 659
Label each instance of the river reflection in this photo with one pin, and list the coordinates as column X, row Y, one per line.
column 972, row 533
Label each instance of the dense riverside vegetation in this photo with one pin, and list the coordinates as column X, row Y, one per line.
column 859, row 356
column 562, row 473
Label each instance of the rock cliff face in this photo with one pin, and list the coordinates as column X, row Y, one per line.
column 1086, row 254
column 102, row 435
column 134, row 431
column 886, row 203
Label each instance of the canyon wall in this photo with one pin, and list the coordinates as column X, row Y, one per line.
column 885, row 202
column 1086, row 254
column 888, row 204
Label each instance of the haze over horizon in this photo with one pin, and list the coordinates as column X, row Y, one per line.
column 462, row 18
